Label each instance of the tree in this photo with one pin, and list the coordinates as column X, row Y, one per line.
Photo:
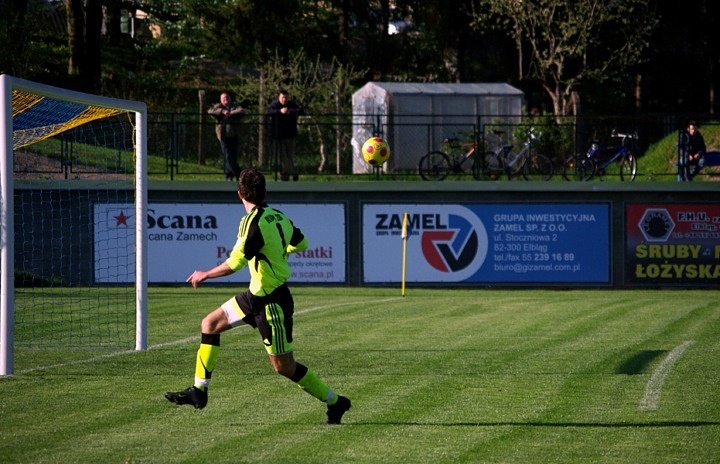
column 563, row 43
column 84, row 22
column 447, row 29
column 34, row 42
column 683, row 72
column 322, row 88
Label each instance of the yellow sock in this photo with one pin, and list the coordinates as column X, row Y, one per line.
column 206, row 359
column 308, row 381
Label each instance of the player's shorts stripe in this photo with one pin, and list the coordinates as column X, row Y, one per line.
column 281, row 327
column 273, row 310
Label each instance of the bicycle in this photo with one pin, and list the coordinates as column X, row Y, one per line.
column 526, row 162
column 438, row 164
column 604, row 160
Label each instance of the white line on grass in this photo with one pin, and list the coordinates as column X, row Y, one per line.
column 188, row 339
column 653, row 389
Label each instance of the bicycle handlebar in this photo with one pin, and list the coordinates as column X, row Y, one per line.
column 621, row 135
column 532, row 135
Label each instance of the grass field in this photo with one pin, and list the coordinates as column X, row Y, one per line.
column 440, row 376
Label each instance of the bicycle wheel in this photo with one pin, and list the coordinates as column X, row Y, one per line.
column 537, row 167
column 434, row 166
column 628, row 168
column 618, row 170
column 580, row 168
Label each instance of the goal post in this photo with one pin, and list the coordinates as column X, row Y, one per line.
column 21, row 125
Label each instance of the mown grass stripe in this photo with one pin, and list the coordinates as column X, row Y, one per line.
column 181, row 341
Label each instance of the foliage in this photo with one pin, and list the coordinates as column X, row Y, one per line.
column 610, row 53
column 35, row 47
column 323, row 89
column 566, row 43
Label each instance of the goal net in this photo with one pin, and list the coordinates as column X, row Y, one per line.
column 70, row 163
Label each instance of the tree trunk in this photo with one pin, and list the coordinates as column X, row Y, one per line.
column 84, row 22
column 202, row 105
column 93, row 33
column 338, row 130
column 638, row 93
column 262, row 129
column 76, row 35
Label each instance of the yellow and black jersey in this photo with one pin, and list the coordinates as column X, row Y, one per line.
column 266, row 237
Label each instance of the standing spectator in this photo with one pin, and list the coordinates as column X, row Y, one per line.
column 227, row 128
column 284, row 114
column 691, row 152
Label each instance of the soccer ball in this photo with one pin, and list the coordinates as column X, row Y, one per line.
column 375, row 151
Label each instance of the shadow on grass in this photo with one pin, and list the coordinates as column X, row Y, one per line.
column 650, row 424
column 637, row 363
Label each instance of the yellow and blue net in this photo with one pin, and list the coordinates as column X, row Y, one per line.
column 36, row 117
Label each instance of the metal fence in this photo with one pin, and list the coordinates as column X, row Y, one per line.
column 185, row 144
column 189, row 144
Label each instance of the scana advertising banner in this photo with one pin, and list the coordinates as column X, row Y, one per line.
column 488, row 243
column 672, row 244
column 184, row 237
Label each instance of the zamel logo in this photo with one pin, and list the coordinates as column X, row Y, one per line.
column 460, row 247
column 453, row 249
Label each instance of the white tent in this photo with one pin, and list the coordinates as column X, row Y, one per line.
column 414, row 118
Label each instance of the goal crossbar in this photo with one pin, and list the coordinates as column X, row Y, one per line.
column 106, row 106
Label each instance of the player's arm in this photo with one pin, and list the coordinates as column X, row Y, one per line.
column 197, row 277
column 298, row 242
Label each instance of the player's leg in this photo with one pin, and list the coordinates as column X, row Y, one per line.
column 276, row 330
column 223, row 318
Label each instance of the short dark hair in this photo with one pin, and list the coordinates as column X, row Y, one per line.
column 251, row 186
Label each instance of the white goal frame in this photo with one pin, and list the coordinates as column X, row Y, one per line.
column 7, row 207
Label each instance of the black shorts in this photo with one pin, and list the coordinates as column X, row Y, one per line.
column 271, row 314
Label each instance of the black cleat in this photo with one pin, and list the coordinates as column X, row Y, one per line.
column 192, row 395
column 336, row 411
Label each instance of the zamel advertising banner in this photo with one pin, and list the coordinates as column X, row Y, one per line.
column 488, row 243
column 672, row 244
column 184, row 237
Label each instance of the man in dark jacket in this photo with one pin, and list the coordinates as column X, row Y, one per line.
column 284, row 115
column 227, row 129
column 691, row 152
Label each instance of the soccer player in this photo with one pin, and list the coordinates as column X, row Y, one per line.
column 265, row 238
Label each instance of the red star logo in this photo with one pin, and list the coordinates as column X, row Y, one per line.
column 121, row 219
